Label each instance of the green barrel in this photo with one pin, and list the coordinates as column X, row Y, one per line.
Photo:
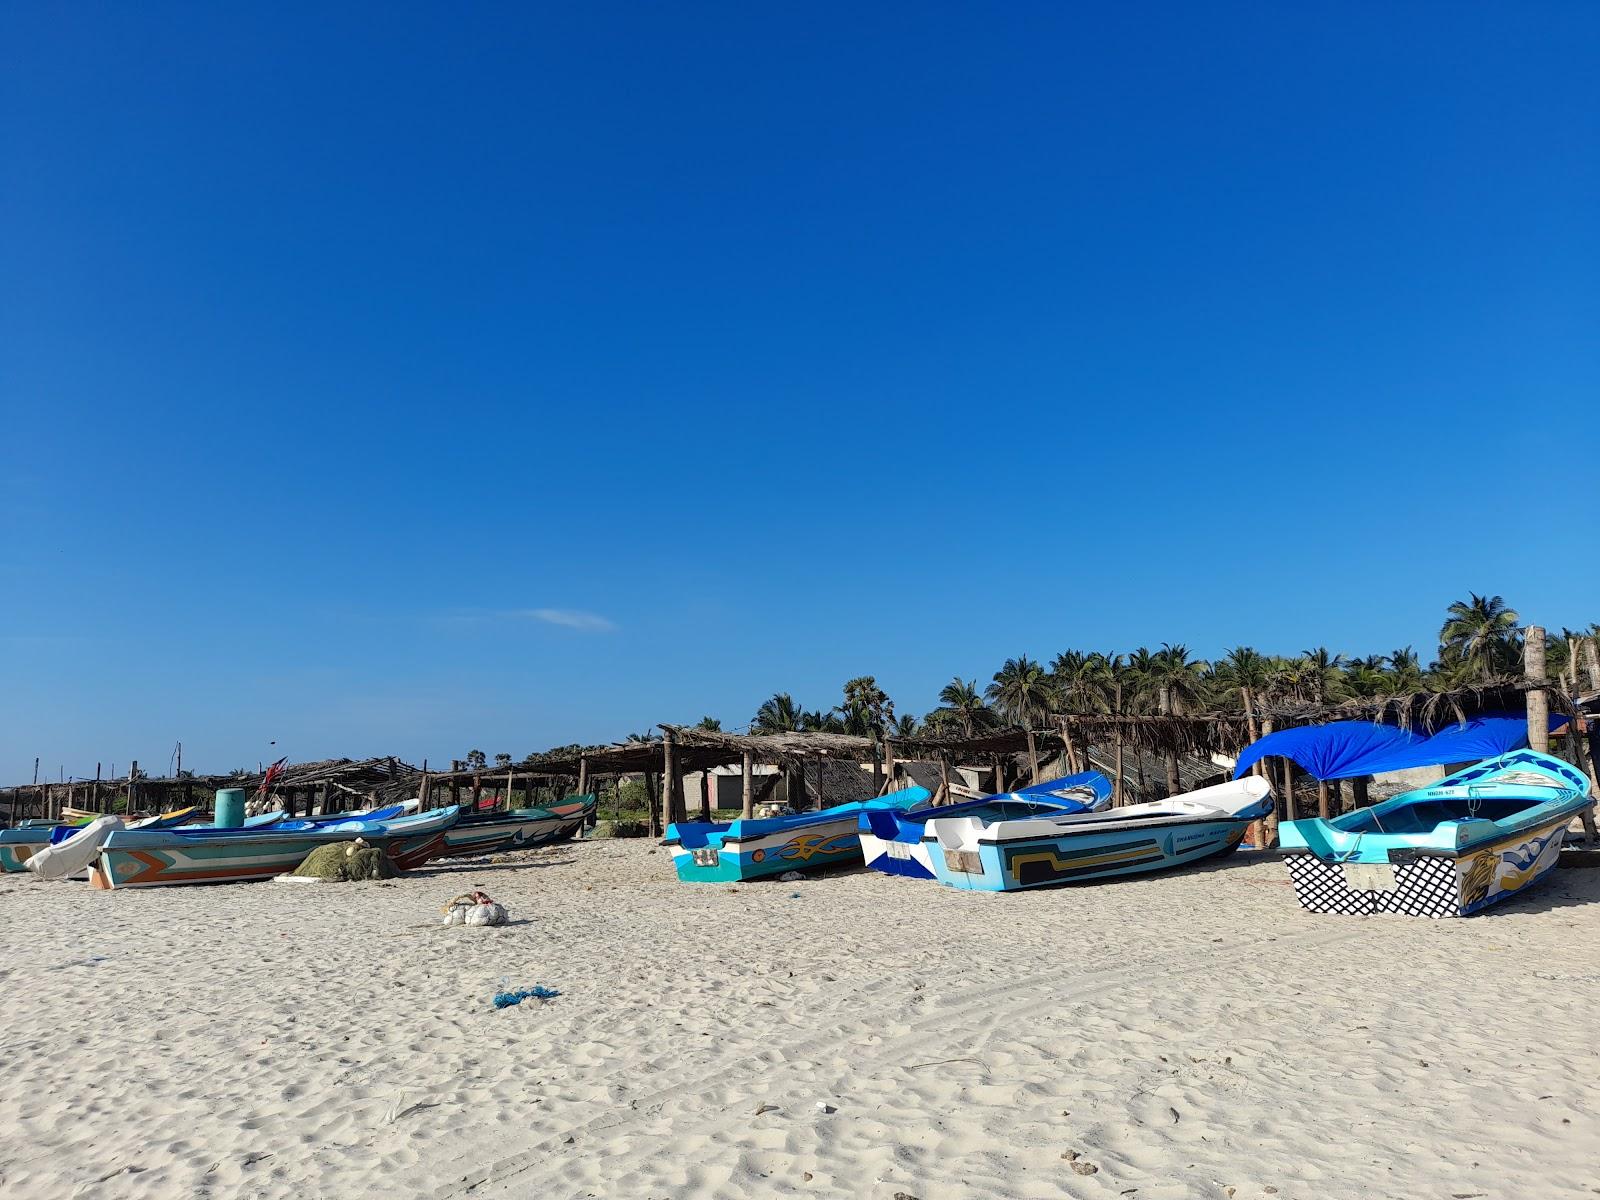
column 230, row 808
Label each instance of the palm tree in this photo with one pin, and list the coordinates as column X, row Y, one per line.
column 1244, row 671
column 1178, row 680
column 963, row 706
column 710, row 725
column 818, row 721
column 867, row 709
column 1363, row 679
column 1479, row 638
column 1081, row 684
column 777, row 715
column 1079, row 681
column 1022, row 692
column 1323, row 672
column 1139, row 681
column 1405, row 671
column 906, row 726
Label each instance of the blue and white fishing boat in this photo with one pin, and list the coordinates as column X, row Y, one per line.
column 1446, row 850
column 892, row 838
column 1023, row 852
column 720, row 852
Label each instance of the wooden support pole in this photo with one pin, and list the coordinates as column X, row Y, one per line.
column 1323, row 810
column 477, row 790
column 94, row 794
column 1591, row 657
column 511, row 780
column 888, row 766
column 1358, row 792
column 671, row 781
column 1033, row 758
column 1174, row 778
column 705, row 795
column 424, row 787
column 944, row 779
column 583, row 776
column 1116, row 784
column 133, row 774
column 652, row 797
column 1538, row 701
column 747, row 767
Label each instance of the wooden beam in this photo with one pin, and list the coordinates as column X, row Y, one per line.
column 671, row 781
column 424, row 787
column 1033, row 757
column 1538, row 701
column 747, row 766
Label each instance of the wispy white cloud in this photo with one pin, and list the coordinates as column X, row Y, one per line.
column 568, row 618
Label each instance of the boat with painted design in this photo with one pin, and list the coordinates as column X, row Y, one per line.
column 517, row 829
column 720, row 852
column 1451, row 849
column 1009, row 854
column 158, row 858
column 892, row 839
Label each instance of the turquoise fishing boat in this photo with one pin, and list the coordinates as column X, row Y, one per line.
column 722, row 852
column 1450, row 849
column 1010, row 853
column 158, row 858
column 18, row 845
column 892, row 838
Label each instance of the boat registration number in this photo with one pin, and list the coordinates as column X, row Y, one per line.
column 898, row 850
column 705, row 856
column 1369, row 877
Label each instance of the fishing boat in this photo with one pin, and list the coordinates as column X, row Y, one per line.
column 719, row 852
column 156, row 858
column 1446, row 850
column 1010, row 853
column 36, row 835
column 517, row 829
column 20, row 844
column 891, row 839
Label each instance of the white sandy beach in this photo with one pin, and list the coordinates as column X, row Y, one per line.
column 1185, row 1035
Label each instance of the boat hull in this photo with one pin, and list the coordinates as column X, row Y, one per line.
column 520, row 829
column 825, row 844
column 981, row 854
column 892, row 839
column 136, row 858
column 1431, row 852
column 1433, row 884
column 707, row 852
column 1043, row 862
column 17, row 846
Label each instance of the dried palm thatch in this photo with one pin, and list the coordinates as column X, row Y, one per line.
column 1427, row 712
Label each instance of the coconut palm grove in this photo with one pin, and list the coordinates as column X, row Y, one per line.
column 1480, row 640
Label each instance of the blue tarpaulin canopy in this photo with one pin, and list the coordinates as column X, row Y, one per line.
column 1346, row 749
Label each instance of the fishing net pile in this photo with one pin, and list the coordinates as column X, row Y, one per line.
column 347, row 862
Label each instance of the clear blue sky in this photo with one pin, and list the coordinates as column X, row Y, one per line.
column 761, row 347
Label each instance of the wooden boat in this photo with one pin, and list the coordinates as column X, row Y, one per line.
column 717, row 852
column 517, row 829
column 1447, row 850
column 18, row 845
column 157, row 858
column 891, row 839
column 1023, row 852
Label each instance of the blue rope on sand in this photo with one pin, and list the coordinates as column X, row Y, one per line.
column 536, row 992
